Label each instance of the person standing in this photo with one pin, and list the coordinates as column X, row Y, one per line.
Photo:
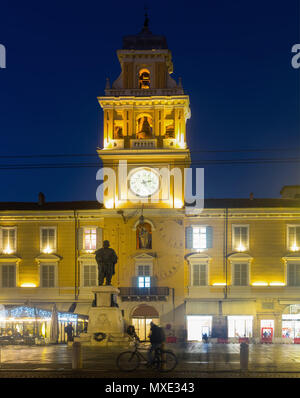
column 70, row 332
column 157, row 337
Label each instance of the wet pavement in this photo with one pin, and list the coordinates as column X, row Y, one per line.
column 195, row 360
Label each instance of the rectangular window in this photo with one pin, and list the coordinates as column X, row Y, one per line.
column 293, row 274
column 90, row 239
column 9, row 239
column 240, row 237
column 144, row 281
column 48, row 275
column 293, row 237
column 8, row 276
column 240, row 274
column 199, row 275
column 144, row 272
column 199, row 237
column 89, row 275
column 48, row 239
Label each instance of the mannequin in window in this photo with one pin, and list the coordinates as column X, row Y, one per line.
column 144, row 128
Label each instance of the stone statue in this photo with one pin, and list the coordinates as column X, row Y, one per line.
column 145, row 129
column 106, row 259
column 144, row 236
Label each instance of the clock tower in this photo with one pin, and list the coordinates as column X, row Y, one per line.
column 144, row 128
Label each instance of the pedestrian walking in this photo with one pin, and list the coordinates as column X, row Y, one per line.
column 70, row 332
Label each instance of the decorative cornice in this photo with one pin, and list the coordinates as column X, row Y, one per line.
column 9, row 258
column 45, row 257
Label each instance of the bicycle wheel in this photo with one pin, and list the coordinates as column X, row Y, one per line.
column 128, row 361
column 168, row 361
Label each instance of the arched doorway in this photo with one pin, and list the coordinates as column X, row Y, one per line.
column 141, row 319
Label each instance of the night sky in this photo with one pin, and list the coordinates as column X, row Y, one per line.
column 234, row 58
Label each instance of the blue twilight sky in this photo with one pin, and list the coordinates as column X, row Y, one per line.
column 234, row 58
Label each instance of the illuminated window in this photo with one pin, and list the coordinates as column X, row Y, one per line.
column 198, row 237
column 48, row 275
column 240, row 237
column 144, row 281
column 144, row 276
column 90, row 238
column 144, row 79
column 293, row 241
column 8, row 274
column 293, row 274
column 8, row 239
column 89, row 275
column 240, row 274
column 199, row 274
column 48, row 239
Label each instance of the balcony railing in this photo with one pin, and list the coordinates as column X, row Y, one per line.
column 144, row 293
column 143, row 144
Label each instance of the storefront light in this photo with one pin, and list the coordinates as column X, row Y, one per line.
column 28, row 285
column 219, row 284
column 259, row 284
column 277, row 284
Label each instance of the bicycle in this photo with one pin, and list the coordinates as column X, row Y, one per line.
column 163, row 361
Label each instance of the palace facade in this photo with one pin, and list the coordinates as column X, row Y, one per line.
column 231, row 271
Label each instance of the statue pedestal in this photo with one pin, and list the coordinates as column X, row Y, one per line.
column 104, row 318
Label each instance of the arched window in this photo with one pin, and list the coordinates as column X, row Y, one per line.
column 144, row 79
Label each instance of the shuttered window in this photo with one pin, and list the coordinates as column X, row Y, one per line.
column 48, row 239
column 293, row 274
column 199, row 237
column 90, row 239
column 48, row 275
column 8, row 240
column 199, row 275
column 294, row 237
column 8, row 276
column 89, row 275
column 240, row 240
column 240, row 274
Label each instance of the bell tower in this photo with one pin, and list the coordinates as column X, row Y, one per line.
column 145, row 114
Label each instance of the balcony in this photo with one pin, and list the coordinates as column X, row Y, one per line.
column 144, row 294
column 143, row 144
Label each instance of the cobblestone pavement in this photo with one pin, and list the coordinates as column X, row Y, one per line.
column 195, row 360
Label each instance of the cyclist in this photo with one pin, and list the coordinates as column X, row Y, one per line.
column 131, row 332
column 157, row 337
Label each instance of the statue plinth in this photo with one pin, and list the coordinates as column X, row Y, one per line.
column 105, row 318
column 104, row 295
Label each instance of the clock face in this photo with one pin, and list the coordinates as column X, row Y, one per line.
column 144, row 182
